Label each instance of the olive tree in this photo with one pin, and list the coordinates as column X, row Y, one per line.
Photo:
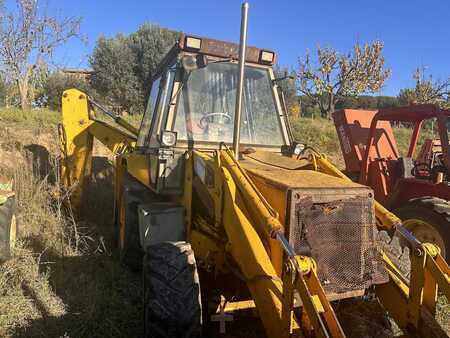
column 332, row 76
column 122, row 65
column 28, row 38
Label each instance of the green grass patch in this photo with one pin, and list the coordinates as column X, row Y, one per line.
column 36, row 118
column 134, row 120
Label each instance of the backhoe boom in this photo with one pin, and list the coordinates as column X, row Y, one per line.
column 77, row 132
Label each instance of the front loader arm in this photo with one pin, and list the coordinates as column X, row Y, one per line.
column 77, row 131
column 412, row 304
column 273, row 297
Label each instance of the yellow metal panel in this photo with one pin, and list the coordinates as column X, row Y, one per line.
column 248, row 251
column 116, row 140
column 138, row 166
column 187, row 193
column 317, row 304
column 76, row 142
column 208, row 249
column 77, row 133
column 264, row 217
column 207, row 168
column 275, row 168
column 237, row 306
column 277, row 198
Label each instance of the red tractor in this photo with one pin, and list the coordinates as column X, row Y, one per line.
column 415, row 188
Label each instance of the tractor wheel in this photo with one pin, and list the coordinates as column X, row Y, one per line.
column 8, row 228
column 428, row 218
column 172, row 296
column 129, row 244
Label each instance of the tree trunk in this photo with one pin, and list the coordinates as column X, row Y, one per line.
column 22, row 84
column 322, row 107
column 330, row 110
column 331, row 105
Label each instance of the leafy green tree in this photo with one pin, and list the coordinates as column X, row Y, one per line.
column 123, row 65
column 149, row 45
column 114, row 75
column 54, row 86
column 333, row 76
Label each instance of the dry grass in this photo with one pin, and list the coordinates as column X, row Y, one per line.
column 64, row 279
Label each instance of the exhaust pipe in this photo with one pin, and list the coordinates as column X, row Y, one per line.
column 240, row 87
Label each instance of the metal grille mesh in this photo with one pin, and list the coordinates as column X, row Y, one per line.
column 341, row 237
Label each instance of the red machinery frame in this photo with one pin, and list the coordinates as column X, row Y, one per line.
column 371, row 152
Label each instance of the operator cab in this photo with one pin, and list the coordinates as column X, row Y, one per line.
column 193, row 94
column 192, row 106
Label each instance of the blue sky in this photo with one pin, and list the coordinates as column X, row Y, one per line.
column 414, row 32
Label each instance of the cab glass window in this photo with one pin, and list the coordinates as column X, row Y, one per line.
column 206, row 105
column 149, row 111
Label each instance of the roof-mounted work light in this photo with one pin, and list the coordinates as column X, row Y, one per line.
column 193, row 43
column 266, row 57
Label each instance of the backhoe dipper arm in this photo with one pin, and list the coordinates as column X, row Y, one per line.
column 77, row 132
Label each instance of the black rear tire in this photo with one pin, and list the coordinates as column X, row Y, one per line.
column 432, row 212
column 8, row 228
column 172, row 297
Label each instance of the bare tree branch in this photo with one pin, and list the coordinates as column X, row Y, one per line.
column 28, row 38
column 334, row 76
column 427, row 90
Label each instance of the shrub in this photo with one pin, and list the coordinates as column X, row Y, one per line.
column 54, row 87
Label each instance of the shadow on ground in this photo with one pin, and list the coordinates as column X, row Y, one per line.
column 41, row 161
column 102, row 299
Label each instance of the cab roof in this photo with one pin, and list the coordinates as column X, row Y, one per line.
column 223, row 49
column 215, row 48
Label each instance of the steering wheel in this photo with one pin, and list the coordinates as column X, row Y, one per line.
column 204, row 120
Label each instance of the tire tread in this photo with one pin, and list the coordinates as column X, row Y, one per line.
column 172, row 291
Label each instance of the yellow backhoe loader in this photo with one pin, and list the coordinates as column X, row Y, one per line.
column 213, row 190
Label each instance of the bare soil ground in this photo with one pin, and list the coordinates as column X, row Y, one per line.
column 65, row 279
